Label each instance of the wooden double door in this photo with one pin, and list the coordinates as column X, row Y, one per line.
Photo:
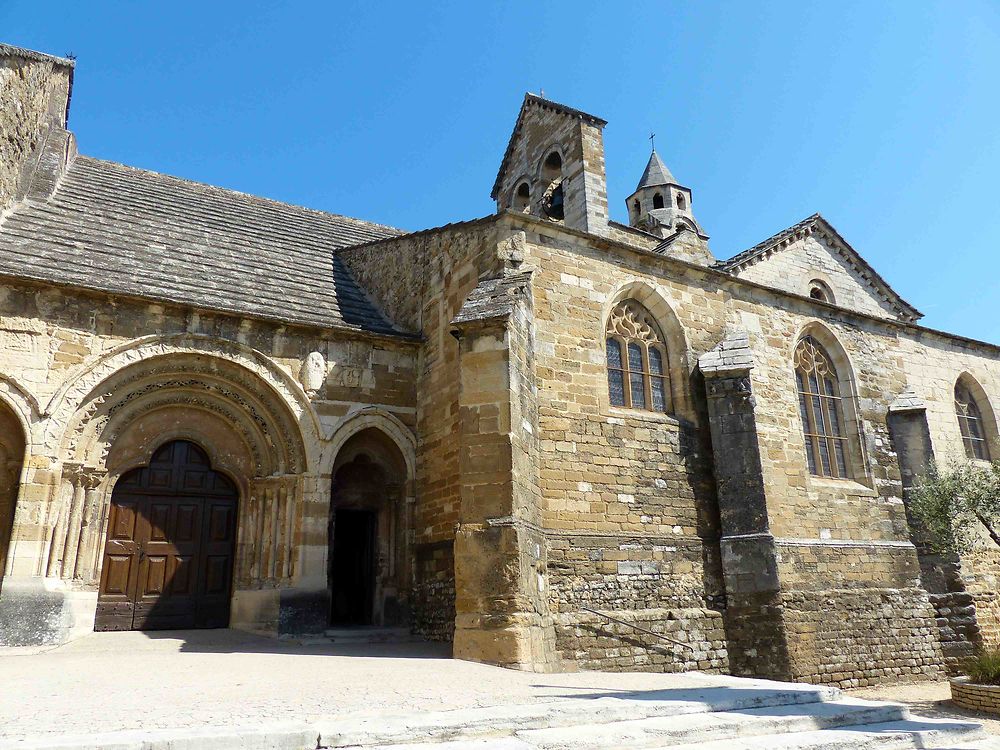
column 168, row 559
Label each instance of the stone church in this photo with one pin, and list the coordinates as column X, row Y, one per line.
column 554, row 440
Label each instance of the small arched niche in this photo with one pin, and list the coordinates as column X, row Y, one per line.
column 821, row 291
column 369, row 552
column 522, row 198
column 12, row 447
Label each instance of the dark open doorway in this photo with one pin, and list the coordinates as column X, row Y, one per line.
column 352, row 568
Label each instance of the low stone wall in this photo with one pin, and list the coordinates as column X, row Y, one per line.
column 958, row 631
column 975, row 697
column 854, row 638
column 593, row 642
column 434, row 592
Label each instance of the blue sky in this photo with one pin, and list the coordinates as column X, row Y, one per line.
column 881, row 114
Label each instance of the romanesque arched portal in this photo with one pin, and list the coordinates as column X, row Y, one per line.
column 370, row 522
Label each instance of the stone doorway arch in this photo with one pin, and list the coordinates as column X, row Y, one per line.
column 369, row 565
column 12, row 448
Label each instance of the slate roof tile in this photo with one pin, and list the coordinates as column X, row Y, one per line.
column 123, row 230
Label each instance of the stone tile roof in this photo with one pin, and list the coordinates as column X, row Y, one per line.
column 656, row 173
column 493, row 299
column 816, row 221
column 128, row 231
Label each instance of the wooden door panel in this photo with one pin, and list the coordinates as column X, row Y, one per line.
column 169, row 557
column 154, row 576
column 117, row 572
column 159, row 521
column 123, row 518
column 181, row 575
column 186, row 524
column 220, row 523
column 217, row 575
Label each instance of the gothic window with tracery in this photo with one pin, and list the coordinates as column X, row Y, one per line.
column 637, row 359
column 821, row 409
column 970, row 420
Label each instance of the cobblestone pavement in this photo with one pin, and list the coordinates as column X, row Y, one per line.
column 119, row 681
column 929, row 699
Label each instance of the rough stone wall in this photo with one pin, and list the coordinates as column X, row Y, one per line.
column 792, row 268
column 34, row 90
column 861, row 636
column 840, row 543
column 434, row 592
column 932, row 365
column 421, row 282
column 627, row 496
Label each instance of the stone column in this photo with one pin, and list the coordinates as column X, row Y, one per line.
column 501, row 607
column 758, row 644
column 940, row 574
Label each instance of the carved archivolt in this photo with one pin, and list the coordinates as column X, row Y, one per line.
column 236, row 360
column 255, row 413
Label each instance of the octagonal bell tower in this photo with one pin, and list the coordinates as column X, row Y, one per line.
column 662, row 206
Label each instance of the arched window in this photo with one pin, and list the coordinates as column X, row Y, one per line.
column 657, row 201
column 637, row 207
column 637, row 359
column 553, row 198
column 822, row 411
column 970, row 421
column 552, row 167
column 680, row 201
column 819, row 290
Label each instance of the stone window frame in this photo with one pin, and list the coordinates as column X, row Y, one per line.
column 858, row 472
column 677, row 354
column 552, row 184
column 980, row 402
column 639, row 360
column 824, row 290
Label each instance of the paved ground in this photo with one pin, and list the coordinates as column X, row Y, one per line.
column 120, row 681
column 929, row 699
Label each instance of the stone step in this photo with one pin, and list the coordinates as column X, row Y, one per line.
column 911, row 734
column 500, row 721
column 702, row 727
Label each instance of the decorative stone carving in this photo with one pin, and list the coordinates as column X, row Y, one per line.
column 633, row 322
column 511, row 250
column 313, row 373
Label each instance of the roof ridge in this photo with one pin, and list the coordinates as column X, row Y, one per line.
column 843, row 246
column 30, row 54
column 237, row 193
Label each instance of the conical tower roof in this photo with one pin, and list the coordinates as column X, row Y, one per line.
column 656, row 173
